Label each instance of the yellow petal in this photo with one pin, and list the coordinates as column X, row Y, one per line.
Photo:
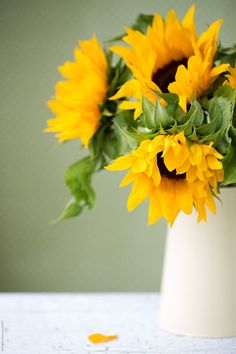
column 196, row 154
column 129, row 178
column 210, row 38
column 219, row 175
column 183, row 168
column 217, row 70
column 188, row 21
column 154, row 211
column 210, row 201
column 77, row 99
column 128, row 105
column 121, row 163
column 213, row 163
column 101, row 338
column 131, row 88
column 184, row 196
column 181, row 138
column 191, row 174
column 123, row 52
column 140, row 165
column 173, row 213
column 165, row 191
column 140, row 191
column 138, row 110
column 201, row 210
column 173, row 161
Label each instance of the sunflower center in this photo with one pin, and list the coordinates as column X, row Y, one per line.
column 165, row 172
column 164, row 76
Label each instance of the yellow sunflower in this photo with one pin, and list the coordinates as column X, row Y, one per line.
column 77, row 99
column 169, row 58
column 174, row 174
column 231, row 77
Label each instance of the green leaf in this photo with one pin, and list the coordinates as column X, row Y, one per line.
column 198, row 114
column 149, row 114
column 125, row 75
column 142, row 22
column 109, row 57
column 193, row 136
column 128, row 139
column 130, row 132
column 95, row 144
column 229, row 164
column 111, row 146
column 119, row 74
column 172, row 101
column 123, row 146
column 113, row 81
column 156, row 116
column 216, row 111
column 232, row 134
column 179, row 115
column 192, row 119
column 162, row 117
column 220, row 120
column 173, row 129
column 226, row 92
column 221, row 143
column 78, row 179
column 226, row 55
column 187, row 127
column 72, row 209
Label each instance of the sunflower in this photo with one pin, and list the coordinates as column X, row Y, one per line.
column 78, row 97
column 231, row 77
column 169, row 58
column 174, row 174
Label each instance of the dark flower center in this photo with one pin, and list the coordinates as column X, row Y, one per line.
column 165, row 172
column 164, row 76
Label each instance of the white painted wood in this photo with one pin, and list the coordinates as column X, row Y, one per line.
column 60, row 323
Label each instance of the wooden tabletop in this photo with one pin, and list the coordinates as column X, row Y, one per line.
column 60, row 323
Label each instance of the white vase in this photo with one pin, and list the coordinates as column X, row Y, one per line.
column 198, row 293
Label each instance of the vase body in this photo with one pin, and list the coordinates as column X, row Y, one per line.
column 198, row 293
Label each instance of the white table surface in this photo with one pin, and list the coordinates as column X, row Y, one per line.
column 61, row 323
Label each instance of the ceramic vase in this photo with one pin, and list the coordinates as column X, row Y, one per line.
column 198, row 292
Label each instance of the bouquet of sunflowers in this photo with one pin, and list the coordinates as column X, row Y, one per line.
column 158, row 101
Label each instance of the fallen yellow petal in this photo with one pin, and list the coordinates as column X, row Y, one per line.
column 101, row 338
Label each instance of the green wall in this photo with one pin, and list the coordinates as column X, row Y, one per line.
column 107, row 249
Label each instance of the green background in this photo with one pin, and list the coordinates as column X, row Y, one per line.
column 107, row 249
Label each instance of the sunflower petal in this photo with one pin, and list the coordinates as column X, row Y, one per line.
column 101, row 338
column 185, row 180
column 184, row 196
column 140, row 191
column 77, row 99
column 154, row 211
column 121, row 163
